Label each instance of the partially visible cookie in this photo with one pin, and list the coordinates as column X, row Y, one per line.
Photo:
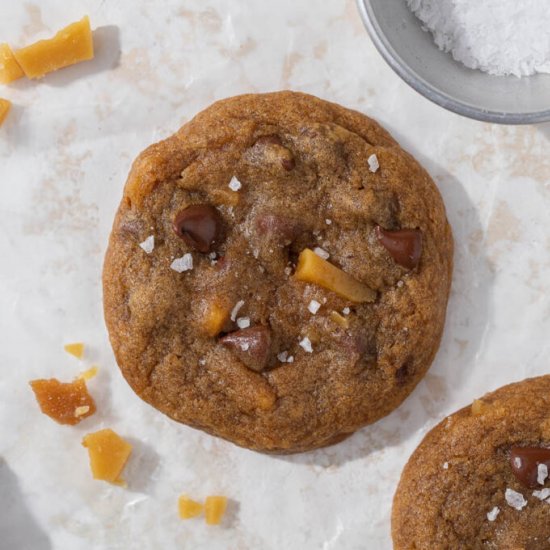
column 277, row 273
column 479, row 479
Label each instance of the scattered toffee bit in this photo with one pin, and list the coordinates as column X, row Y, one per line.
column 252, row 346
column 313, row 307
column 108, row 454
column 76, row 349
column 214, row 509
column 527, row 470
column 515, row 499
column 235, row 184
column 185, row 263
column 403, row 245
column 148, row 244
column 305, row 343
column 188, row 508
column 66, row 403
column 373, row 163
column 492, row 515
column 199, row 226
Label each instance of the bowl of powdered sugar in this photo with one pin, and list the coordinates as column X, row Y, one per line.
column 485, row 59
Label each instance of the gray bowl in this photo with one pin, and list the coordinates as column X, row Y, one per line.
column 412, row 54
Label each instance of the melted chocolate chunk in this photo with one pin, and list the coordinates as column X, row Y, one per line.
column 524, row 462
column 199, row 226
column 404, row 245
column 251, row 345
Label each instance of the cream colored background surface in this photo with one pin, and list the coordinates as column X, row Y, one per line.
column 65, row 151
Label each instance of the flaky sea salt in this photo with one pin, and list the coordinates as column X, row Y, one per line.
column 515, row 499
column 235, row 309
column 313, row 306
column 492, row 515
column 185, row 263
column 245, row 346
column 243, row 322
column 496, row 36
column 346, row 311
column 542, row 473
column 543, row 494
column 445, row 465
column 148, row 244
column 328, row 221
column 234, row 184
column 373, row 163
column 305, row 343
column 321, row 253
column 282, row 357
column 517, row 462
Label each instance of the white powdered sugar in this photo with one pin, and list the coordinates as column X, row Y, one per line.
column 499, row 37
column 373, row 163
column 305, row 343
column 185, row 263
column 492, row 515
column 313, row 307
column 515, row 499
column 234, row 184
column 542, row 473
column 148, row 244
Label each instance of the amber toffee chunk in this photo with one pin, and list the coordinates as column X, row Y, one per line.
column 269, row 312
column 479, row 479
column 66, row 403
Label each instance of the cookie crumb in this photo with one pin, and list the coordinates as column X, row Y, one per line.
column 305, row 343
column 373, row 163
column 235, row 310
column 234, row 184
column 492, row 515
column 243, row 322
column 543, row 494
column 542, row 473
column 313, row 307
column 321, row 253
column 346, row 311
column 445, row 465
column 148, row 244
column 185, row 263
column 515, row 499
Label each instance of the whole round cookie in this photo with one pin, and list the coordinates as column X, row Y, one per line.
column 277, row 273
column 479, row 479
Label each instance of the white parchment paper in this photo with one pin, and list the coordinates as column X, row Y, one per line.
column 64, row 154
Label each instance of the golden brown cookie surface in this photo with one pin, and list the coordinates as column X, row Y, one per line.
column 479, row 479
column 210, row 319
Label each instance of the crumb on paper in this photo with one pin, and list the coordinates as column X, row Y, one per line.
column 492, row 515
column 313, row 307
column 234, row 184
column 515, row 499
column 148, row 244
column 185, row 263
column 61, row 400
column 76, row 349
column 108, row 454
column 374, row 165
column 305, row 343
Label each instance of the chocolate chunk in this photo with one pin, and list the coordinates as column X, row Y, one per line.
column 199, row 226
column 404, row 245
column 251, row 345
column 524, row 462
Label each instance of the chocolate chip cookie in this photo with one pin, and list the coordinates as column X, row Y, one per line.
column 479, row 479
column 277, row 273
